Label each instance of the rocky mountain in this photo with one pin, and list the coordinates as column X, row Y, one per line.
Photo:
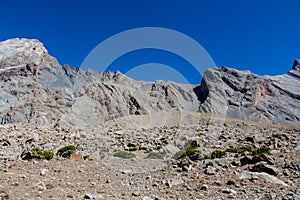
column 36, row 89
column 241, row 94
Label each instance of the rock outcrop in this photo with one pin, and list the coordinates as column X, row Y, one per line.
column 36, row 89
column 242, row 94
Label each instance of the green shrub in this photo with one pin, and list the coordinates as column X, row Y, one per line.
column 62, row 151
column 238, row 150
column 124, row 154
column 48, row 155
column 155, row 155
column 189, row 151
column 260, row 151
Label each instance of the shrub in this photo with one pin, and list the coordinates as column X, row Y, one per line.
column 124, row 154
column 66, row 151
column 155, row 155
column 260, row 151
column 189, row 151
column 238, row 149
column 48, row 155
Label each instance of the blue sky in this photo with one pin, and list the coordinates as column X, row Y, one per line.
column 262, row 36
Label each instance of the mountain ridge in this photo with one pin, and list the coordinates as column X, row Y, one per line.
column 35, row 88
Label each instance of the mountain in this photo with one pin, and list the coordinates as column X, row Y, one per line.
column 36, row 89
column 241, row 94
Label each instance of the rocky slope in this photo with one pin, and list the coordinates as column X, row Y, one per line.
column 237, row 175
column 36, row 89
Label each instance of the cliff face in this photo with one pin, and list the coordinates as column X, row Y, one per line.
column 36, row 89
column 241, row 94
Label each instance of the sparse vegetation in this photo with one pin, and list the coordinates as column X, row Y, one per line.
column 124, row 154
column 260, row 151
column 155, row 155
column 66, row 151
column 48, row 155
column 240, row 150
column 190, row 151
column 217, row 154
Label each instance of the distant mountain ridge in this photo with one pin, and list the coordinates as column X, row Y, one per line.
column 36, row 89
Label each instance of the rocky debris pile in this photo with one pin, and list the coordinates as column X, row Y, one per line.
column 238, row 160
column 36, row 89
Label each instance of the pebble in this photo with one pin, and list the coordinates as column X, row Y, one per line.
column 136, row 193
column 43, row 172
column 210, row 170
column 204, row 187
column 229, row 191
column 40, row 185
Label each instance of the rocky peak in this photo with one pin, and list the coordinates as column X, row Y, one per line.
column 20, row 51
column 296, row 65
column 26, row 57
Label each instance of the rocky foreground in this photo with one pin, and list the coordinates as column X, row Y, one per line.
column 94, row 170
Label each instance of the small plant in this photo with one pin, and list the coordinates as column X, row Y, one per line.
column 155, row 155
column 218, row 154
column 238, row 149
column 48, row 155
column 260, row 151
column 66, row 151
column 124, row 154
column 190, row 151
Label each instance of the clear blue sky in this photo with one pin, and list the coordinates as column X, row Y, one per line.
column 262, row 36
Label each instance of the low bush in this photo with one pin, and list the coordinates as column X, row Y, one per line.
column 190, row 151
column 66, row 151
column 48, row 155
column 155, row 155
column 124, row 154
column 260, row 151
column 240, row 150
